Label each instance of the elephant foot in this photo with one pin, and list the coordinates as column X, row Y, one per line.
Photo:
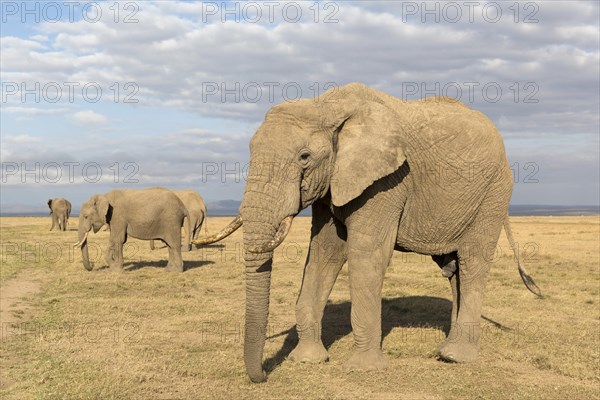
column 458, row 352
column 174, row 268
column 309, row 352
column 369, row 360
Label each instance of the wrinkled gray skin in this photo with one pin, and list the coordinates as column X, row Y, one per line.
column 381, row 174
column 60, row 211
column 196, row 208
column 145, row 214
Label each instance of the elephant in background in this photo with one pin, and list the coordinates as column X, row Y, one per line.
column 145, row 214
column 60, row 211
column 197, row 210
column 381, row 174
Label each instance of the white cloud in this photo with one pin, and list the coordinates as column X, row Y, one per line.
column 174, row 58
column 15, row 42
column 34, row 110
column 21, row 139
column 90, row 117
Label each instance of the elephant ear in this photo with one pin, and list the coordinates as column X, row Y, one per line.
column 103, row 207
column 369, row 147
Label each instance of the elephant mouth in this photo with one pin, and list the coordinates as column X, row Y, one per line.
column 282, row 232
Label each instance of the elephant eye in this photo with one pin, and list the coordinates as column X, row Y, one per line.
column 304, row 156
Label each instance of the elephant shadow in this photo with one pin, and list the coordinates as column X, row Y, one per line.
column 187, row 265
column 162, row 245
column 209, row 246
column 400, row 312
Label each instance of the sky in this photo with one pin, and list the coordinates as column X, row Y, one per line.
column 104, row 95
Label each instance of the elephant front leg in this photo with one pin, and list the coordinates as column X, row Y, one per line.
column 368, row 258
column 114, row 256
column 327, row 254
column 114, row 251
column 468, row 286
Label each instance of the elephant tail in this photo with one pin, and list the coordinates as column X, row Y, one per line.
column 527, row 279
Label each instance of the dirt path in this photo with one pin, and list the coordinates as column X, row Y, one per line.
column 16, row 308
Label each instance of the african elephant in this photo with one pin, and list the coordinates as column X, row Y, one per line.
column 146, row 214
column 196, row 208
column 381, row 174
column 60, row 211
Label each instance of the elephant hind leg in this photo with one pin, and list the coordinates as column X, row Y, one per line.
column 175, row 263
column 173, row 242
column 468, row 287
column 468, row 283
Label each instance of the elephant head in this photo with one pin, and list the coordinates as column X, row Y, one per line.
column 93, row 215
column 335, row 145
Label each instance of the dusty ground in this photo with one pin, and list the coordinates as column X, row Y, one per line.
column 147, row 334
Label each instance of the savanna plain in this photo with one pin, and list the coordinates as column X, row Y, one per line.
column 147, row 334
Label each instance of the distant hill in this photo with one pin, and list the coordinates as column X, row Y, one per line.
column 544, row 210
column 231, row 207
column 223, row 207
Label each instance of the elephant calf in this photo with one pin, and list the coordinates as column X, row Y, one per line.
column 60, row 211
column 145, row 214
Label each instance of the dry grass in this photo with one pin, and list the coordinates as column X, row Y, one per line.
column 148, row 334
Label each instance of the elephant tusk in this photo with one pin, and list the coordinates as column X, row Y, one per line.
column 284, row 229
column 228, row 230
column 82, row 241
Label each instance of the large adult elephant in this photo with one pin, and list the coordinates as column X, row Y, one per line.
column 428, row 176
column 146, row 214
column 60, row 211
column 196, row 208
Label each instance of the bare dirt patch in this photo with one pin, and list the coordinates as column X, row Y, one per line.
column 16, row 308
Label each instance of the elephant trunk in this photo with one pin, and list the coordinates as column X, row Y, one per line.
column 266, row 212
column 258, row 285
